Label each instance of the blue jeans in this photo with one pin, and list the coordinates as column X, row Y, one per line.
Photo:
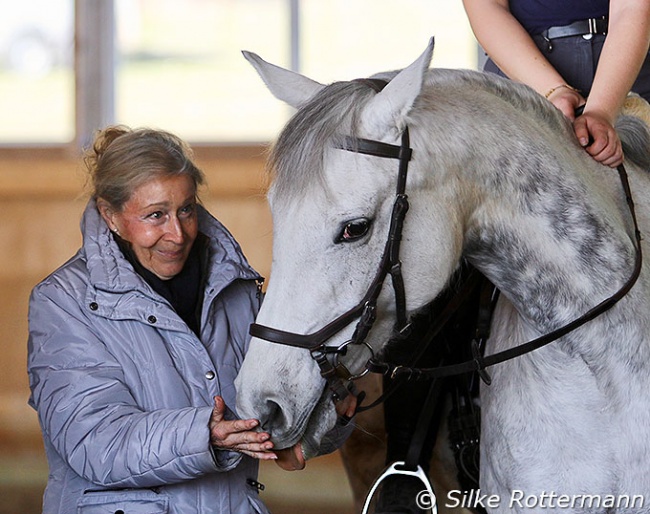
column 576, row 58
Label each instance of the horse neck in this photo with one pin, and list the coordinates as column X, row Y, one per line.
column 549, row 236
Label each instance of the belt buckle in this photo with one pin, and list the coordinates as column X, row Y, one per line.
column 593, row 29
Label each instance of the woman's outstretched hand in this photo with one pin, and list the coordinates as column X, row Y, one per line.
column 239, row 435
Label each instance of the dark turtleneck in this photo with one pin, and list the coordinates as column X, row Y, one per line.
column 183, row 291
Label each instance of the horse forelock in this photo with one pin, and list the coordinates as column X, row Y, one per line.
column 296, row 159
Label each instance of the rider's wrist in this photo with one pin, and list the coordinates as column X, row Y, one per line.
column 560, row 86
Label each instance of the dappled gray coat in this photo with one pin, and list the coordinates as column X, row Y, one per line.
column 124, row 389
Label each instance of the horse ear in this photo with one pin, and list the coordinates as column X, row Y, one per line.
column 288, row 86
column 388, row 108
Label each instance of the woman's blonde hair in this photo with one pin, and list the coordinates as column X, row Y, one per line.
column 121, row 159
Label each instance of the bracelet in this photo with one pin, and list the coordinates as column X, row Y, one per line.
column 553, row 89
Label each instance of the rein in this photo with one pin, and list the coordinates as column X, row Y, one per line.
column 327, row 357
column 480, row 363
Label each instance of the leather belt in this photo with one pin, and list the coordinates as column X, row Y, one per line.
column 578, row 28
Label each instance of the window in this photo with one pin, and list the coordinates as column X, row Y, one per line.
column 177, row 64
column 180, row 67
column 36, row 74
column 346, row 39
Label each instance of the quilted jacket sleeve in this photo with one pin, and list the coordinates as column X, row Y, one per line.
column 89, row 414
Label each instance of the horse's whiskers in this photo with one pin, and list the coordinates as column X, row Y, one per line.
column 360, row 428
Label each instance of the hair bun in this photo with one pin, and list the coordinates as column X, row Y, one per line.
column 105, row 137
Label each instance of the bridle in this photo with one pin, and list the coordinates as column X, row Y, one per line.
column 366, row 310
column 328, row 358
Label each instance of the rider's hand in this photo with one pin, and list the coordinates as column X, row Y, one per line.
column 566, row 99
column 238, row 435
column 597, row 135
column 595, row 132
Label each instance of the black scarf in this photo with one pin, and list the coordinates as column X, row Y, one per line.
column 183, row 291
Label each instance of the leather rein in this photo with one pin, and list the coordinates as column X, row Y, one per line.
column 337, row 375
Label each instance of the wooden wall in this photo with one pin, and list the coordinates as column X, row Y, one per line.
column 42, row 195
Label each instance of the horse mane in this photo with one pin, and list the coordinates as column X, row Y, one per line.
column 521, row 97
column 635, row 137
column 633, row 131
column 297, row 155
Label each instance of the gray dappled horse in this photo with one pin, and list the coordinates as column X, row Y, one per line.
column 497, row 178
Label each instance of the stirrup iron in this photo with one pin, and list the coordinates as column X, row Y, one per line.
column 430, row 500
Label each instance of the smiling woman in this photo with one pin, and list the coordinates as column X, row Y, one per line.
column 135, row 343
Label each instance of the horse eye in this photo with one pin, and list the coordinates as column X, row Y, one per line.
column 353, row 230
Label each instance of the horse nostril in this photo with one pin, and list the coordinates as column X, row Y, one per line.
column 271, row 412
column 274, row 420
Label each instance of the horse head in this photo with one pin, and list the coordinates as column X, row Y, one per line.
column 332, row 211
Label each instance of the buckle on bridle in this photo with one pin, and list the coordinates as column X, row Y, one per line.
column 328, row 360
column 365, row 323
column 480, row 365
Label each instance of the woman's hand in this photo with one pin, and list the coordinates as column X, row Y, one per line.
column 566, row 99
column 593, row 129
column 238, row 435
column 597, row 135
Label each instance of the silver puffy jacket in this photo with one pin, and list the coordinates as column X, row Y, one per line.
column 124, row 389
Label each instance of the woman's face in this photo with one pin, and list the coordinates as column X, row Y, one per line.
column 160, row 221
